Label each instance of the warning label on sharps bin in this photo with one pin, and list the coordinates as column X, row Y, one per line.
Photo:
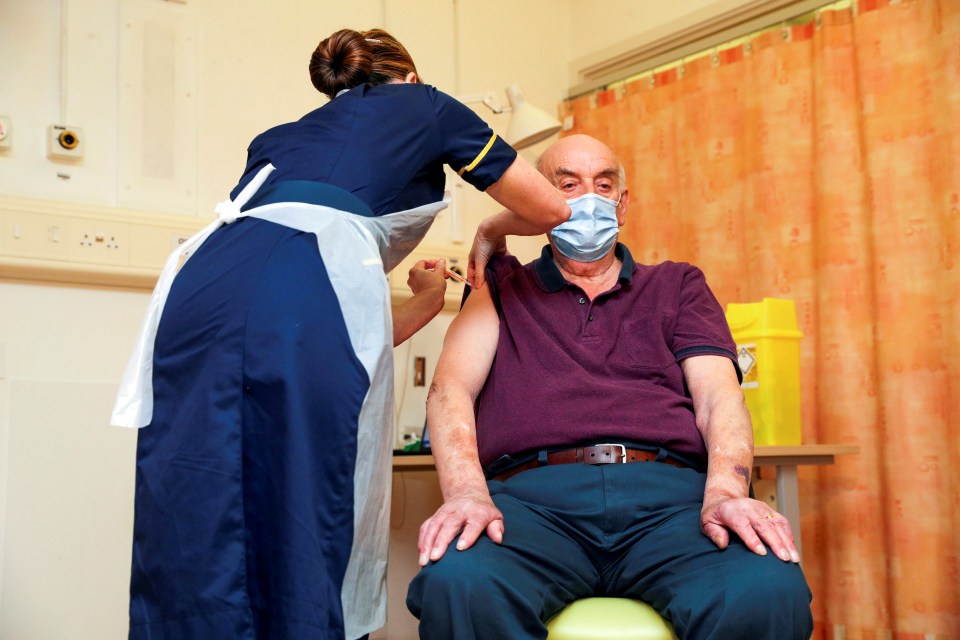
column 747, row 359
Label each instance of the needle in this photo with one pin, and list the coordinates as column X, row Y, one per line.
column 455, row 276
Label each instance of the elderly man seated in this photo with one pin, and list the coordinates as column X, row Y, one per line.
column 586, row 416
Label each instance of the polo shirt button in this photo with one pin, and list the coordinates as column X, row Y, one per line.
column 590, row 318
column 583, row 301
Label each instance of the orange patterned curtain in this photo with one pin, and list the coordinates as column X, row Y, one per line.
column 822, row 163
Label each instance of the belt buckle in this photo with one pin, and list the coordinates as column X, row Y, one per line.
column 623, row 449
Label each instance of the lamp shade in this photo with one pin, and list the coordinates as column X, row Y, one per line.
column 529, row 124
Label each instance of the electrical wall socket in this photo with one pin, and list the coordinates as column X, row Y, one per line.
column 69, row 239
column 64, row 142
column 67, row 242
column 4, row 132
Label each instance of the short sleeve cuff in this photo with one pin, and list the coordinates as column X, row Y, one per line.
column 489, row 164
column 711, row 351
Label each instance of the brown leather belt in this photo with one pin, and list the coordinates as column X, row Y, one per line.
column 596, row 454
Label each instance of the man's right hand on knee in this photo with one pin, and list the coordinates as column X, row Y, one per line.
column 468, row 516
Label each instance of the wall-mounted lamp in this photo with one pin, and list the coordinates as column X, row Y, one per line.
column 528, row 124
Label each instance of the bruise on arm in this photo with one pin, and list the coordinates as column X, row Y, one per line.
column 743, row 472
column 724, row 421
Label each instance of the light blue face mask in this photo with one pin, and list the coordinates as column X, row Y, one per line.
column 591, row 231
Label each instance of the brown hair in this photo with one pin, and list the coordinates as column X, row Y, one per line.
column 348, row 58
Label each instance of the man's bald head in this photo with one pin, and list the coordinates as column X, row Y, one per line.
column 580, row 164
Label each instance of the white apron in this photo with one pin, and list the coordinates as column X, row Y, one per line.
column 345, row 240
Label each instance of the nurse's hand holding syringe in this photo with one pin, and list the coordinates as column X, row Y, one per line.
column 455, row 276
column 427, row 280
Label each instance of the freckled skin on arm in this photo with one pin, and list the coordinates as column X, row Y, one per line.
column 724, row 422
column 467, row 510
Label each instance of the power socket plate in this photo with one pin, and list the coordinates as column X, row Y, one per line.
column 65, row 142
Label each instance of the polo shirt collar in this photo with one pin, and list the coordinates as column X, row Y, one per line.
column 551, row 280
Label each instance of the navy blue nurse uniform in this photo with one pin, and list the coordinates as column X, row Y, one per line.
column 247, row 483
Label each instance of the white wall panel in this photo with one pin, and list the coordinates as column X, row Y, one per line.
column 157, row 113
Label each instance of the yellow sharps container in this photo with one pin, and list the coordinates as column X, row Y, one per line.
column 768, row 349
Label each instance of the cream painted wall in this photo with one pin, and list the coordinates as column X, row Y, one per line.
column 252, row 68
column 65, row 477
column 632, row 20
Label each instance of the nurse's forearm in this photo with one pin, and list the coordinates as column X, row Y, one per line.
column 414, row 313
column 490, row 240
column 507, row 223
column 523, row 190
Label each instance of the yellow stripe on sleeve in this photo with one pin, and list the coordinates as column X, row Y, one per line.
column 479, row 157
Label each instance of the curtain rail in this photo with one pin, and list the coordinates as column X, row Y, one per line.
column 742, row 21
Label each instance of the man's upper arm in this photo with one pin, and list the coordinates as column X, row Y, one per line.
column 710, row 378
column 470, row 344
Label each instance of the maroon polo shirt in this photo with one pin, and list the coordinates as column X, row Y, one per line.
column 571, row 371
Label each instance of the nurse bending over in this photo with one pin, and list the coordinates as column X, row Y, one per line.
column 264, row 373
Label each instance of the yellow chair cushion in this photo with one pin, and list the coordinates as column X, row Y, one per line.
column 609, row 619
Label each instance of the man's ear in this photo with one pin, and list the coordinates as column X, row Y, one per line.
column 411, row 78
column 622, row 207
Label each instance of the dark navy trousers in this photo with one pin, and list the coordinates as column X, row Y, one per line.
column 574, row 531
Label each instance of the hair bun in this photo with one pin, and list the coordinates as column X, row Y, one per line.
column 341, row 61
